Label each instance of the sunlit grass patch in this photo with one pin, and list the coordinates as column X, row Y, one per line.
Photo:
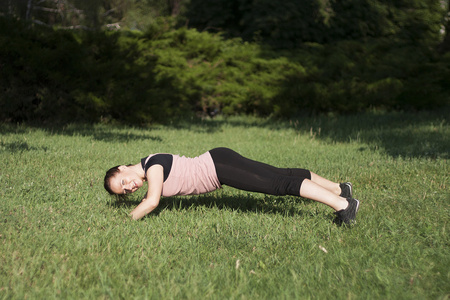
column 62, row 236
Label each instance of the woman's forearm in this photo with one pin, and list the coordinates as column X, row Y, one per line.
column 155, row 179
column 143, row 209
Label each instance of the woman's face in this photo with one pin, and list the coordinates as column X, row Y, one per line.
column 126, row 181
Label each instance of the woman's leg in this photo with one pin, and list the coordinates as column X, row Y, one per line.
column 311, row 190
column 242, row 173
column 245, row 174
column 327, row 184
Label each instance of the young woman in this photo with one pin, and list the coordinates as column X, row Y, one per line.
column 171, row 175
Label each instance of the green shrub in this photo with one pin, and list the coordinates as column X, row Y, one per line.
column 166, row 73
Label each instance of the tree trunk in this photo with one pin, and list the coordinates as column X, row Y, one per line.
column 445, row 45
column 174, row 7
column 29, row 8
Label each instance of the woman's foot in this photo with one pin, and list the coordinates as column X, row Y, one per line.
column 347, row 216
column 346, row 190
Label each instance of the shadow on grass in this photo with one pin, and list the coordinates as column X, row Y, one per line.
column 425, row 134
column 17, row 146
column 400, row 134
column 102, row 133
column 406, row 134
column 106, row 134
column 246, row 203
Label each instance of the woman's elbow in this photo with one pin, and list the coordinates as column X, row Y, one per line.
column 143, row 210
column 150, row 206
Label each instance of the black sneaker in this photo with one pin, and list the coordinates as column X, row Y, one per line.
column 348, row 215
column 346, row 190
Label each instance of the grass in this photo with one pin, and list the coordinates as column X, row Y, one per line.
column 61, row 236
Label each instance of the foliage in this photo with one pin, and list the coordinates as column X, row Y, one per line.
column 166, row 72
column 351, row 76
column 289, row 24
column 132, row 77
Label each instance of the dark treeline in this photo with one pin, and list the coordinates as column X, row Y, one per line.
column 156, row 60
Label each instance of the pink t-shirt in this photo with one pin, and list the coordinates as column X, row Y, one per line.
column 190, row 176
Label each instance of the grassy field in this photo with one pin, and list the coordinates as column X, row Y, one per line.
column 62, row 236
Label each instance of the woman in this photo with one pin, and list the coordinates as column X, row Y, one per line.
column 171, row 175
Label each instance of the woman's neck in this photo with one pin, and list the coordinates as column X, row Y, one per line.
column 137, row 168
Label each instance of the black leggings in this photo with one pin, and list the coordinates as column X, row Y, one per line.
column 242, row 173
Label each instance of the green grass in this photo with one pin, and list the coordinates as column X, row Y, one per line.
column 62, row 236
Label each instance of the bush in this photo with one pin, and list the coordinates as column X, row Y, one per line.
column 165, row 73
column 351, row 76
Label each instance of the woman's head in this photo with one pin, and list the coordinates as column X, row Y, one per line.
column 122, row 180
column 111, row 173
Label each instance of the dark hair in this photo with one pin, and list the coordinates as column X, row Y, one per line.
column 110, row 174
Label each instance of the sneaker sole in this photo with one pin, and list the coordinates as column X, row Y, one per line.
column 357, row 208
column 351, row 189
column 353, row 221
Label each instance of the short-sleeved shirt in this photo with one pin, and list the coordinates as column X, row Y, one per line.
column 184, row 175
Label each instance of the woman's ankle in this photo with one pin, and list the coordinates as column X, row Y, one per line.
column 341, row 204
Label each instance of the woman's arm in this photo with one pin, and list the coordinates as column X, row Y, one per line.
column 155, row 178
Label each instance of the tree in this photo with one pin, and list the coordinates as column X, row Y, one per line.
column 445, row 44
column 67, row 14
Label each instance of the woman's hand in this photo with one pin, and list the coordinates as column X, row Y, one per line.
column 155, row 179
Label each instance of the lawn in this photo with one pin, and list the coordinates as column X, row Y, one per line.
column 62, row 236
